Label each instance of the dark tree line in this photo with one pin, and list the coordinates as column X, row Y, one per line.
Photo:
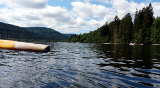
column 144, row 28
column 12, row 32
column 142, row 25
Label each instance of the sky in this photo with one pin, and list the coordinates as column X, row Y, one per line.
column 69, row 16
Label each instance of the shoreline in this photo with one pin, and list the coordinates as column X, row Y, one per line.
column 131, row 44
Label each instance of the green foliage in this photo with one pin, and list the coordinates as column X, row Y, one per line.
column 99, row 35
column 144, row 29
column 8, row 31
column 142, row 25
column 44, row 33
column 115, row 30
column 126, row 29
column 155, row 36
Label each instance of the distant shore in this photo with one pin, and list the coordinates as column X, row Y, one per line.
column 131, row 44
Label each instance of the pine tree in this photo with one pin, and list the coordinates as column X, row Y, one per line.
column 126, row 27
column 114, row 29
column 156, row 31
column 147, row 23
column 142, row 25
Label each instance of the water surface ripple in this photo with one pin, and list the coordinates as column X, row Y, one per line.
column 82, row 65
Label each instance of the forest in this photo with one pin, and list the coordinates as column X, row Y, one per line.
column 142, row 28
column 13, row 32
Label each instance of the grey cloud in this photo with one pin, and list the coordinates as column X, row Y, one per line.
column 59, row 17
column 30, row 17
column 30, row 4
column 37, row 4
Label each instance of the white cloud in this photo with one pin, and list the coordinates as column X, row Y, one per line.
column 91, row 16
column 156, row 7
column 123, row 6
column 104, row 1
column 25, row 3
column 58, row 13
column 55, row 17
column 88, row 10
column 81, row 17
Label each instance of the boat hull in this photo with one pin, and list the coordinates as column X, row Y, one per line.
column 16, row 45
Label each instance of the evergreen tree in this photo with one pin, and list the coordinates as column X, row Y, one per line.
column 114, row 29
column 138, row 21
column 147, row 23
column 124, row 31
column 142, row 25
column 126, row 27
column 156, row 31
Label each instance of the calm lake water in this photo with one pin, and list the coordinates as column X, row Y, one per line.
column 82, row 65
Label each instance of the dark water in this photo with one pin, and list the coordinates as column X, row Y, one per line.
column 82, row 65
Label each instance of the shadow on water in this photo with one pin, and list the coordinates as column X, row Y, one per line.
column 131, row 56
column 135, row 62
column 123, row 66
